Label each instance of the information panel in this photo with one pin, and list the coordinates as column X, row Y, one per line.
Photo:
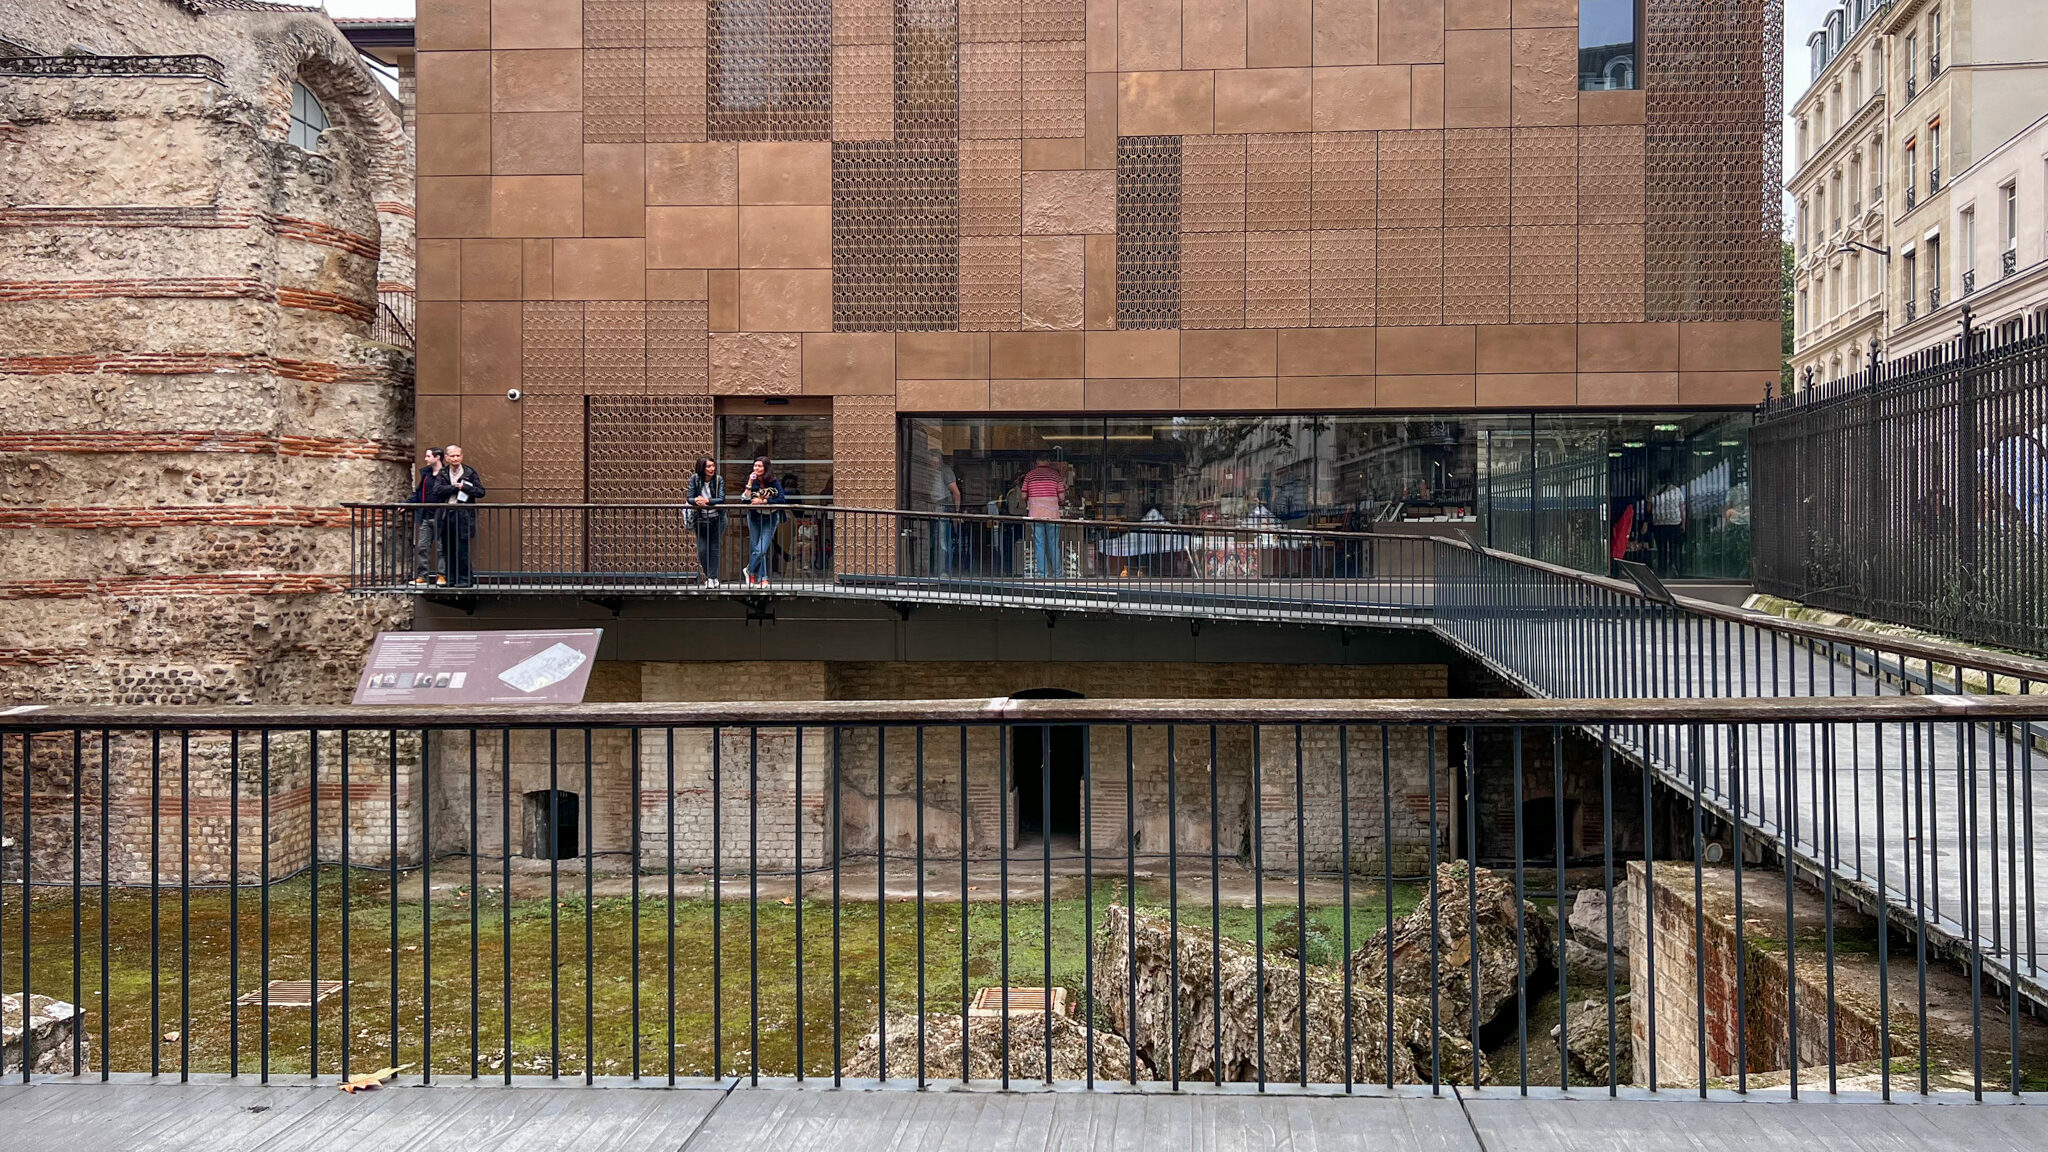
column 528, row 667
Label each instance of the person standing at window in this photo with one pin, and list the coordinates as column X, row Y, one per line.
column 760, row 495
column 706, row 516
column 944, row 498
column 1667, row 525
column 460, row 486
column 1045, row 490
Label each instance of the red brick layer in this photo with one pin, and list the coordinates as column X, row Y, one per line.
column 220, row 515
column 178, row 216
column 210, row 584
column 201, row 440
column 194, row 364
column 187, row 288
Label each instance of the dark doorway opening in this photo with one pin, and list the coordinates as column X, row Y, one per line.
column 551, row 824
column 1540, row 831
column 1042, row 754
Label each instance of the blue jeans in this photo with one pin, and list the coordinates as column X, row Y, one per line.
column 710, row 538
column 1045, row 544
column 941, row 548
column 761, row 535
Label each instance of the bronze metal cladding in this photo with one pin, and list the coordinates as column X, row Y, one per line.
column 1712, row 160
column 1148, row 232
column 770, row 70
column 895, row 237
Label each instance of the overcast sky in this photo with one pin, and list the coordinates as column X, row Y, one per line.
column 1802, row 17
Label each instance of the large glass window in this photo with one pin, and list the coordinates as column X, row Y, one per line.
column 798, row 447
column 1574, row 489
column 1607, row 45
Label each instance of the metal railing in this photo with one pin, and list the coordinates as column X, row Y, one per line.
column 392, row 323
column 1912, row 493
column 615, row 549
column 1332, row 893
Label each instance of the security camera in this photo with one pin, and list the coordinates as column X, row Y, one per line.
column 512, row 393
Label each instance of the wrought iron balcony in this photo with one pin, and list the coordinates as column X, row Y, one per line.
column 1912, row 196
column 1933, row 181
column 1969, row 281
column 1933, row 66
column 1934, row 299
column 1912, row 87
column 1912, row 310
column 2008, row 262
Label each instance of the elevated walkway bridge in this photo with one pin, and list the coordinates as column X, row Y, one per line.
column 1930, row 825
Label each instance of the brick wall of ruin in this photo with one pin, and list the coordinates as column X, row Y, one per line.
column 190, row 390
column 1694, row 964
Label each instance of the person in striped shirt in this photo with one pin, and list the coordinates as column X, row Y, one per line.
column 1045, row 489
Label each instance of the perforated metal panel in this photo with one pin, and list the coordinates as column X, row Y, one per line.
column 551, row 415
column 677, row 57
column 927, row 71
column 770, row 70
column 1148, row 232
column 642, row 447
column 1713, row 159
column 895, row 237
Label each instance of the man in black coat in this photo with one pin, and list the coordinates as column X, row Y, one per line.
column 459, row 485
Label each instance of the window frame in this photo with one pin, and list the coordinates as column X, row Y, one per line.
column 301, row 131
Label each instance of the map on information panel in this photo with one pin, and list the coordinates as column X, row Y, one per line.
column 523, row 667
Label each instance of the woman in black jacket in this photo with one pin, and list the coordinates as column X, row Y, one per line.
column 707, row 518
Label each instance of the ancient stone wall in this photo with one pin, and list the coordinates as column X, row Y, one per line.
column 189, row 390
column 1756, row 1021
column 755, row 796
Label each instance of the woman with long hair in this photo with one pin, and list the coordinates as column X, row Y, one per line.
column 760, row 496
column 706, row 517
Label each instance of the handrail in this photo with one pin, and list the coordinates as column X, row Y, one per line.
column 1933, row 652
column 1006, row 710
column 732, row 506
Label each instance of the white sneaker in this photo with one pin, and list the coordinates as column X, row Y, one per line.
column 711, row 583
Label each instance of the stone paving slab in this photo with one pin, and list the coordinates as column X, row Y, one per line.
column 1080, row 1122
column 164, row 1117
column 1755, row 1126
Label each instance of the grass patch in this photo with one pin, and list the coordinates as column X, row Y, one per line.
column 723, row 985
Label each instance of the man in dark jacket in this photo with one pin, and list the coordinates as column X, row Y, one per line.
column 458, row 485
column 425, row 522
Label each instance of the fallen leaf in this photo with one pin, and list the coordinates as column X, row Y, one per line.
column 356, row 1084
column 786, row 900
column 171, row 1037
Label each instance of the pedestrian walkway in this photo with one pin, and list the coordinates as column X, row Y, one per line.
column 223, row 1117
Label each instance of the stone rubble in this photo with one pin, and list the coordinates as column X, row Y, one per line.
column 985, row 1052
column 1475, row 915
column 53, row 1025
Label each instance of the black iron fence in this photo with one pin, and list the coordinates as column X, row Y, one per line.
column 1326, row 893
column 1915, row 491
